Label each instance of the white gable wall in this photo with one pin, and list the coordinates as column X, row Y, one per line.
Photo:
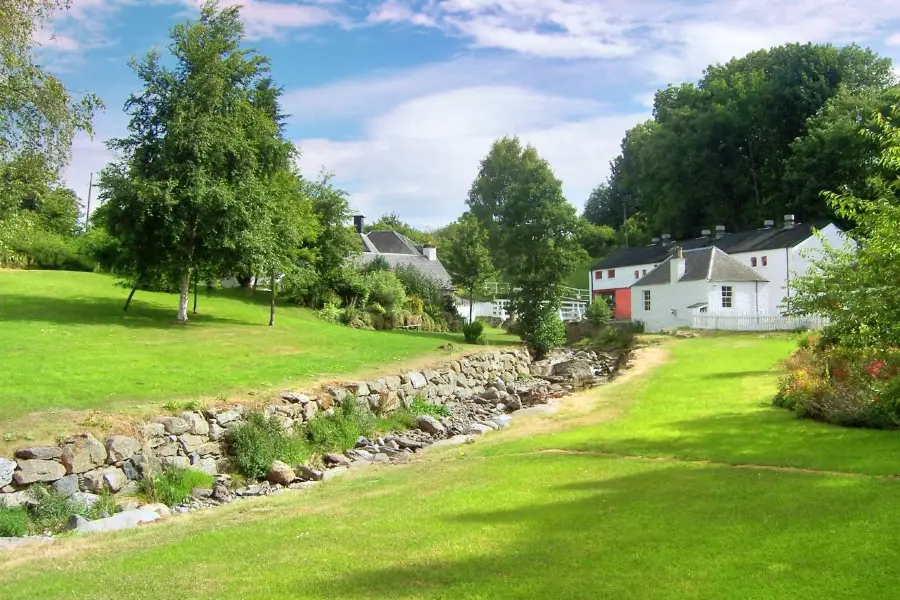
column 624, row 276
column 669, row 303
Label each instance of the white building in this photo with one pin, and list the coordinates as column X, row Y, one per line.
column 696, row 281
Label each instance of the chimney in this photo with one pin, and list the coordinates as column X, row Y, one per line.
column 676, row 265
column 720, row 231
column 706, row 233
column 788, row 221
column 666, row 239
column 654, row 241
column 768, row 224
column 359, row 221
column 430, row 252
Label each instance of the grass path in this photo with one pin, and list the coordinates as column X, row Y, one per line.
column 575, row 505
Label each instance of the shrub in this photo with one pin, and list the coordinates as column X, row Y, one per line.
column 259, row 442
column 547, row 333
column 339, row 431
column 386, row 289
column 422, row 286
column 407, row 417
column 172, row 485
column 473, row 332
column 598, row 312
column 45, row 250
column 51, row 510
column 330, row 313
column 420, row 406
column 13, row 521
column 379, row 263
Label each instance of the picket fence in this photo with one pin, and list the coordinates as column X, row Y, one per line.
column 751, row 322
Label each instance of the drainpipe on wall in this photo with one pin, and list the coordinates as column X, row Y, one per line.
column 787, row 276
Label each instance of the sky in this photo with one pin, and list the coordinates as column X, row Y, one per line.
column 401, row 99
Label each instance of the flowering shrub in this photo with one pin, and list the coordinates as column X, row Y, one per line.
column 857, row 388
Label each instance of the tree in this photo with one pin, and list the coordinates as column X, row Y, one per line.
column 467, row 257
column 190, row 188
column 856, row 289
column 37, row 114
column 392, row 222
column 596, row 240
column 531, row 229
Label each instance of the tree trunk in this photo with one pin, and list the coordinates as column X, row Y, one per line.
column 194, row 312
column 255, row 281
column 272, row 305
column 471, row 300
column 130, row 296
column 184, row 296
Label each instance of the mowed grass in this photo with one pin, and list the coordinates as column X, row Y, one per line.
column 66, row 343
column 504, row 518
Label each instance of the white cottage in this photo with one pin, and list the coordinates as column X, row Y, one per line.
column 696, row 280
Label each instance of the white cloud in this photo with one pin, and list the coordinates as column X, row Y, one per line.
column 420, row 157
column 270, row 19
column 893, row 40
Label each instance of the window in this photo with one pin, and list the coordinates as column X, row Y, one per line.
column 765, row 261
column 752, row 261
column 646, row 299
column 598, row 274
column 637, row 273
column 645, row 271
column 726, row 296
column 611, row 274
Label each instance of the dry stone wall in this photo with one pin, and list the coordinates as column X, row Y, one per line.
column 481, row 390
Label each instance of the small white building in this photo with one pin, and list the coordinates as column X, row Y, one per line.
column 696, row 281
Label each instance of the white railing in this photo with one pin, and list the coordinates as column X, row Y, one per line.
column 751, row 322
column 496, row 288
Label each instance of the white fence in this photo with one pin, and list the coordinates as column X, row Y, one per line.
column 496, row 288
column 569, row 310
column 748, row 322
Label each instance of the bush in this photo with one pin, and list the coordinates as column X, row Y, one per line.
column 330, row 313
column 407, row 417
column 173, row 485
column 547, row 333
column 51, row 510
column 420, row 285
column 386, row 290
column 339, row 431
column 13, row 521
column 44, row 250
column 473, row 332
column 420, row 406
column 598, row 312
column 259, row 442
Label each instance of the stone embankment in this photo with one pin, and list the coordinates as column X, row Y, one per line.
column 482, row 391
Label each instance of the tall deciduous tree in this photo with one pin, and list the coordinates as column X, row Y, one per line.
column 392, row 222
column 191, row 188
column 467, row 258
column 531, row 228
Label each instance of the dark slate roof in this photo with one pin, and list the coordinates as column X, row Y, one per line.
column 704, row 264
column 391, row 242
column 431, row 268
column 741, row 241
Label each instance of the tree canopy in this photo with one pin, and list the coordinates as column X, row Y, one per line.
column 467, row 257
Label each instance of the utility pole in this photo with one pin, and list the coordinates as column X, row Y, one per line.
column 87, row 215
column 625, row 221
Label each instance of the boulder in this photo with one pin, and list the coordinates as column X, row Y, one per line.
column 381, row 457
column 197, row 425
column 335, row 473
column 109, row 478
column 67, row 485
column 84, row 500
column 206, row 465
column 124, row 505
column 83, row 453
column 149, row 431
column 479, row 429
column 210, row 449
column 429, row 424
column 392, row 382
column 310, row 474
column 281, row 473
column 176, row 462
column 190, row 443
column 360, row 388
column 123, row 520
column 15, row 499
column 310, row 410
column 174, row 425
column 216, row 432
column 159, row 508
column 39, row 452
column 36, row 470
column 120, row 448
column 335, row 459
column 76, row 521
column 202, row 493
column 7, row 468
column 223, row 416
column 295, row 397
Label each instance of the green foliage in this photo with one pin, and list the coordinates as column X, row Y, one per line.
column 179, row 406
column 50, row 510
column 596, row 240
column 473, row 332
column 256, row 444
column 406, row 417
column 330, row 313
column 467, row 258
column 386, row 289
column 379, row 263
column 42, row 249
column 546, row 333
column 339, row 431
column 13, row 521
column 420, row 285
column 391, row 222
column 420, row 406
column 598, row 312
column 172, row 485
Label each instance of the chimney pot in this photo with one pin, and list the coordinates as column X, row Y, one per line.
column 768, row 223
column 654, row 241
column 706, row 233
column 788, row 221
column 359, row 222
column 720, row 231
column 430, row 252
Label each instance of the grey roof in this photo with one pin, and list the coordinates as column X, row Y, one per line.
column 703, row 264
column 390, row 242
column 755, row 240
column 431, row 268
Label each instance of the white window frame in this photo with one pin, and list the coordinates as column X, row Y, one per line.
column 647, row 303
column 729, row 296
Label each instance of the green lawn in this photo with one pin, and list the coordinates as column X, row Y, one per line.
column 67, row 344
column 501, row 519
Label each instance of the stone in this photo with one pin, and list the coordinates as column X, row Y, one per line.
column 206, row 465
column 359, row 464
column 39, row 452
column 392, row 382
column 310, row 410
column 335, row 459
column 358, row 455
column 360, row 388
column 324, row 402
column 408, row 443
column 76, row 521
column 174, row 425
column 309, row 474
column 159, row 508
column 120, row 448
column 377, row 387
column 83, row 453
column 216, row 432
column 479, row 429
column 197, row 425
column 491, row 394
column 15, row 499
column 453, row 441
column 281, row 473
column 67, row 485
column 210, row 449
column 290, row 410
column 123, row 520
column 84, row 499
column 109, row 478
column 513, row 402
column 381, row 457
column 123, row 505
column 169, row 449
column 190, row 443
column 7, row 468
column 33, row 471
column 222, row 493
column 429, row 424
column 202, row 493
column 176, row 462
column 334, row 473
column 224, row 417
column 151, row 430
column 502, row 421
column 493, row 426
column 295, row 397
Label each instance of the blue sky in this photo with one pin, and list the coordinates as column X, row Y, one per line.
column 402, row 98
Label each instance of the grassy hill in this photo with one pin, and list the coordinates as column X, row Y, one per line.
column 685, row 483
column 67, row 344
column 579, row 277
